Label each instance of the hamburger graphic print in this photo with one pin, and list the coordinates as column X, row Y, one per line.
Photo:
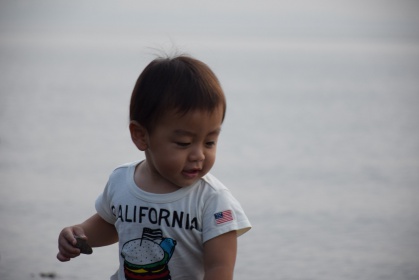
column 147, row 258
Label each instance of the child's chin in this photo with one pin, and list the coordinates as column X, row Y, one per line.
column 187, row 183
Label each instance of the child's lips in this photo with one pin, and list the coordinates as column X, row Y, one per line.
column 191, row 173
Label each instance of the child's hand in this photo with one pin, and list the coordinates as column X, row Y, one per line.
column 67, row 243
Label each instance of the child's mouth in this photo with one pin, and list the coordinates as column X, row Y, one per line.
column 192, row 173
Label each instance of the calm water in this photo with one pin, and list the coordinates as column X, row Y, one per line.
column 320, row 144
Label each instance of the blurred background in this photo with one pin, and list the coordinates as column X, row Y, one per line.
column 320, row 143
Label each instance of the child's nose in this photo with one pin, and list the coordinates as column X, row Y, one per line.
column 197, row 154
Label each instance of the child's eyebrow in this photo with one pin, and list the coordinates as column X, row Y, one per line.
column 215, row 132
column 182, row 132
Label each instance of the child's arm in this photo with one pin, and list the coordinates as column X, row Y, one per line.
column 97, row 231
column 220, row 256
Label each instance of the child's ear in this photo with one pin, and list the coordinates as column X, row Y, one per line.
column 139, row 135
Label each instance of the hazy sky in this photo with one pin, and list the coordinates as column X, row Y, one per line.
column 274, row 20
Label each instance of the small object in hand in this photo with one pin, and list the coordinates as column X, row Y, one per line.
column 83, row 246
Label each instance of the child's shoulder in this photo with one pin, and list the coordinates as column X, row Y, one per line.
column 124, row 168
column 127, row 165
column 213, row 183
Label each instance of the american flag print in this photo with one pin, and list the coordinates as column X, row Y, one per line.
column 223, row 217
column 152, row 234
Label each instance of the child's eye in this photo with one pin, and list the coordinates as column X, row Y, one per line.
column 182, row 144
column 210, row 143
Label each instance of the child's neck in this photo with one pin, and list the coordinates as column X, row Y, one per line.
column 150, row 181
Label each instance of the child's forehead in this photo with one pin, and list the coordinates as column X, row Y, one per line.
column 174, row 116
column 176, row 113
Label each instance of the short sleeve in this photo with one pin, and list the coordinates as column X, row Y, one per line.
column 223, row 213
column 103, row 206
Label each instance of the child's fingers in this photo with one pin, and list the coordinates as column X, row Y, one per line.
column 67, row 253
column 62, row 258
column 67, row 234
column 64, row 255
column 78, row 232
column 66, row 245
column 68, row 249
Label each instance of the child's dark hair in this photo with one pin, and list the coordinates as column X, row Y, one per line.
column 181, row 83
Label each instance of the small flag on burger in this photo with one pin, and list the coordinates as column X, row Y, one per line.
column 223, row 217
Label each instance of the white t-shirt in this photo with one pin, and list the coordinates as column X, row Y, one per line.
column 161, row 236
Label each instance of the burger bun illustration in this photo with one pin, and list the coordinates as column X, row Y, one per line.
column 146, row 259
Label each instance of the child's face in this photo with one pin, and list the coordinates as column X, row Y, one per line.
column 182, row 149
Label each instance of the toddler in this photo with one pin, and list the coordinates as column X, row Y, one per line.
column 172, row 219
